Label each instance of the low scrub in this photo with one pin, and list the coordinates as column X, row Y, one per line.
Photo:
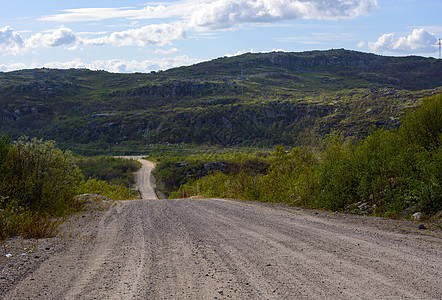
column 103, row 188
column 389, row 173
column 111, row 177
column 174, row 171
column 38, row 183
column 115, row 171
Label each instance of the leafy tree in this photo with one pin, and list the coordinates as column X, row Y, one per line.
column 5, row 145
column 37, row 176
column 423, row 126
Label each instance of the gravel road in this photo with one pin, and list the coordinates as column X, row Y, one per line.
column 145, row 180
column 222, row 249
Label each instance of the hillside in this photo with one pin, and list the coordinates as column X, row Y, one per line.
column 282, row 98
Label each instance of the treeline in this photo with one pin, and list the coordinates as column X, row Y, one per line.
column 114, row 170
column 176, row 170
column 389, row 173
column 38, row 183
column 108, row 176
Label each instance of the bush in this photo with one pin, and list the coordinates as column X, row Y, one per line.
column 38, row 182
column 103, row 188
column 38, row 177
column 423, row 126
column 115, row 171
column 5, row 145
column 389, row 173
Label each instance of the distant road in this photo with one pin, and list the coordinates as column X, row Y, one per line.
column 144, row 177
column 222, row 249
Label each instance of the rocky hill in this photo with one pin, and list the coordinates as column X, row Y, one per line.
column 252, row 99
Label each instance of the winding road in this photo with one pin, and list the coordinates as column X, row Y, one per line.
column 223, row 249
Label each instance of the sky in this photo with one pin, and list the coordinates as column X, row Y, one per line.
column 144, row 36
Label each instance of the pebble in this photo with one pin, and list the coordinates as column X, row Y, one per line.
column 421, row 226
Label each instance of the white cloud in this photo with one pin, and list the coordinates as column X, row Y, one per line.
column 90, row 14
column 187, row 15
column 166, row 52
column 240, row 52
column 419, row 40
column 13, row 43
column 59, row 37
column 112, row 65
column 10, row 42
column 152, row 11
column 222, row 14
column 122, row 66
column 181, row 17
column 155, row 34
column 278, row 50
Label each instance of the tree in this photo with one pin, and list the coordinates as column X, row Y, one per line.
column 5, row 145
column 37, row 176
column 423, row 126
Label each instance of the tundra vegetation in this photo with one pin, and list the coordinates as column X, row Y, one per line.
column 38, row 183
column 282, row 99
column 390, row 173
column 108, row 176
column 332, row 118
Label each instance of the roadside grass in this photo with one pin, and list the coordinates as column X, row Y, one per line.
column 28, row 225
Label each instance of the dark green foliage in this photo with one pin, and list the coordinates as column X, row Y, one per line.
column 37, row 176
column 285, row 94
column 5, row 145
column 386, row 174
column 116, row 171
column 37, row 183
column 174, row 171
column 423, row 126
column 112, row 177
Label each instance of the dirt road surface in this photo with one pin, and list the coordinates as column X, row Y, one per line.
column 222, row 249
column 144, row 178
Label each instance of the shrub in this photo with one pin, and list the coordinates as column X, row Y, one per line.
column 39, row 177
column 114, row 170
column 423, row 126
column 389, row 173
column 5, row 145
column 103, row 188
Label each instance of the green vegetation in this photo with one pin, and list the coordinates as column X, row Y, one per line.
column 103, row 188
column 38, row 183
column 108, row 176
column 389, row 173
column 115, row 170
column 283, row 99
column 176, row 170
column 348, row 149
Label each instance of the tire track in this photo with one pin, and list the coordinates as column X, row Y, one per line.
column 220, row 249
